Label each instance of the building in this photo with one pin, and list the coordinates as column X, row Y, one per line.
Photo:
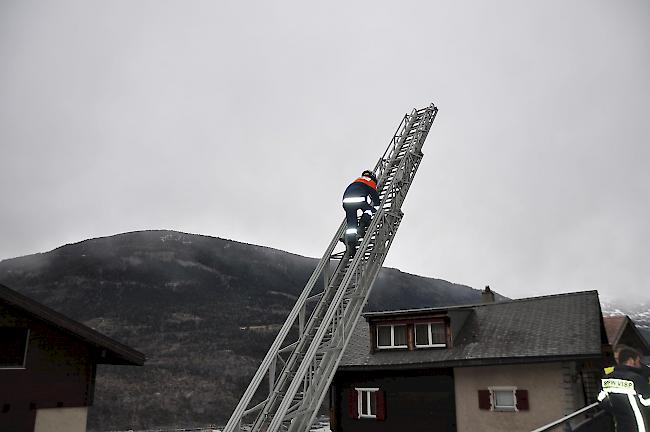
column 622, row 330
column 47, row 366
column 508, row 366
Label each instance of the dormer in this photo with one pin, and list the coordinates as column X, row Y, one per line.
column 417, row 329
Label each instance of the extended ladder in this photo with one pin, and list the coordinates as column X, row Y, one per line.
column 290, row 384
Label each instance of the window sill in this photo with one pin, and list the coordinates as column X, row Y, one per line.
column 431, row 346
column 392, row 347
column 505, row 409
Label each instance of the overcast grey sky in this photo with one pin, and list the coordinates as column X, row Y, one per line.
column 246, row 120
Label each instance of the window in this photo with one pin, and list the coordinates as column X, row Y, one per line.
column 367, row 402
column 430, row 335
column 13, row 347
column 391, row 336
column 503, row 399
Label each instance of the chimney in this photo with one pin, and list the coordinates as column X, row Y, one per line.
column 487, row 296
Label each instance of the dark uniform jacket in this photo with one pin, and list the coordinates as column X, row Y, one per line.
column 626, row 395
column 363, row 187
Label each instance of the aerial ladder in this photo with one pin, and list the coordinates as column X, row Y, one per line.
column 290, row 384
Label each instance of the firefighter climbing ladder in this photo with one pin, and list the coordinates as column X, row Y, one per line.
column 292, row 381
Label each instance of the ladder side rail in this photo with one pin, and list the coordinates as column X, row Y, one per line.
column 415, row 146
column 390, row 162
column 429, row 117
column 408, row 122
column 316, row 342
column 391, row 199
column 352, row 313
column 392, row 146
column 399, row 138
column 309, row 356
column 409, row 164
column 332, row 286
column 236, row 416
column 334, row 357
column 389, row 225
column 392, row 151
column 328, row 373
column 308, row 360
column 298, row 349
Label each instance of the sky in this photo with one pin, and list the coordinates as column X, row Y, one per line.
column 246, row 120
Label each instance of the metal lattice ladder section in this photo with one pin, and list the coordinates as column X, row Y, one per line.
column 292, row 381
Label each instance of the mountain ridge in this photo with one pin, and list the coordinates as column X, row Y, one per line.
column 11, row 259
column 203, row 309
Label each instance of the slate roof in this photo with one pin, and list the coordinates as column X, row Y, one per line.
column 107, row 350
column 549, row 328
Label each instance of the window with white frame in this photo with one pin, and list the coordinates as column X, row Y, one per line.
column 431, row 335
column 367, row 402
column 391, row 336
column 13, row 347
column 503, row 398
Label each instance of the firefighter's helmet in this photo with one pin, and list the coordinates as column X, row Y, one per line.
column 369, row 173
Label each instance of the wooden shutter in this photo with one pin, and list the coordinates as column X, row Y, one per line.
column 522, row 400
column 353, row 403
column 484, row 402
column 381, row 405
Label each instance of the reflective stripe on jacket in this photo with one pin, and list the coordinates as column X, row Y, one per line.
column 362, row 191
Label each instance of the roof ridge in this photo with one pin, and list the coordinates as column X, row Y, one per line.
column 548, row 296
column 475, row 305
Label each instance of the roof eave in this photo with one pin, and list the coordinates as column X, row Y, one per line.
column 120, row 352
column 496, row 361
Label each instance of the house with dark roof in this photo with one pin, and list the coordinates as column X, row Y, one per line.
column 507, row 366
column 622, row 330
column 47, row 366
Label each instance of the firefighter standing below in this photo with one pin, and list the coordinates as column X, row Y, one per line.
column 360, row 197
column 644, row 369
column 626, row 393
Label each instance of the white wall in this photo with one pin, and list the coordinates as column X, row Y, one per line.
column 549, row 394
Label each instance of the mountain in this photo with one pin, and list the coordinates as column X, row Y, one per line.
column 639, row 312
column 204, row 310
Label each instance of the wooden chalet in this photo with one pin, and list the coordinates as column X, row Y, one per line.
column 47, row 366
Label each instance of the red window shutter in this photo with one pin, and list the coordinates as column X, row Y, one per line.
column 381, row 405
column 522, row 400
column 484, row 402
column 353, row 403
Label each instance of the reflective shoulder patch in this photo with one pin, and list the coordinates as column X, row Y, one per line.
column 615, row 385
